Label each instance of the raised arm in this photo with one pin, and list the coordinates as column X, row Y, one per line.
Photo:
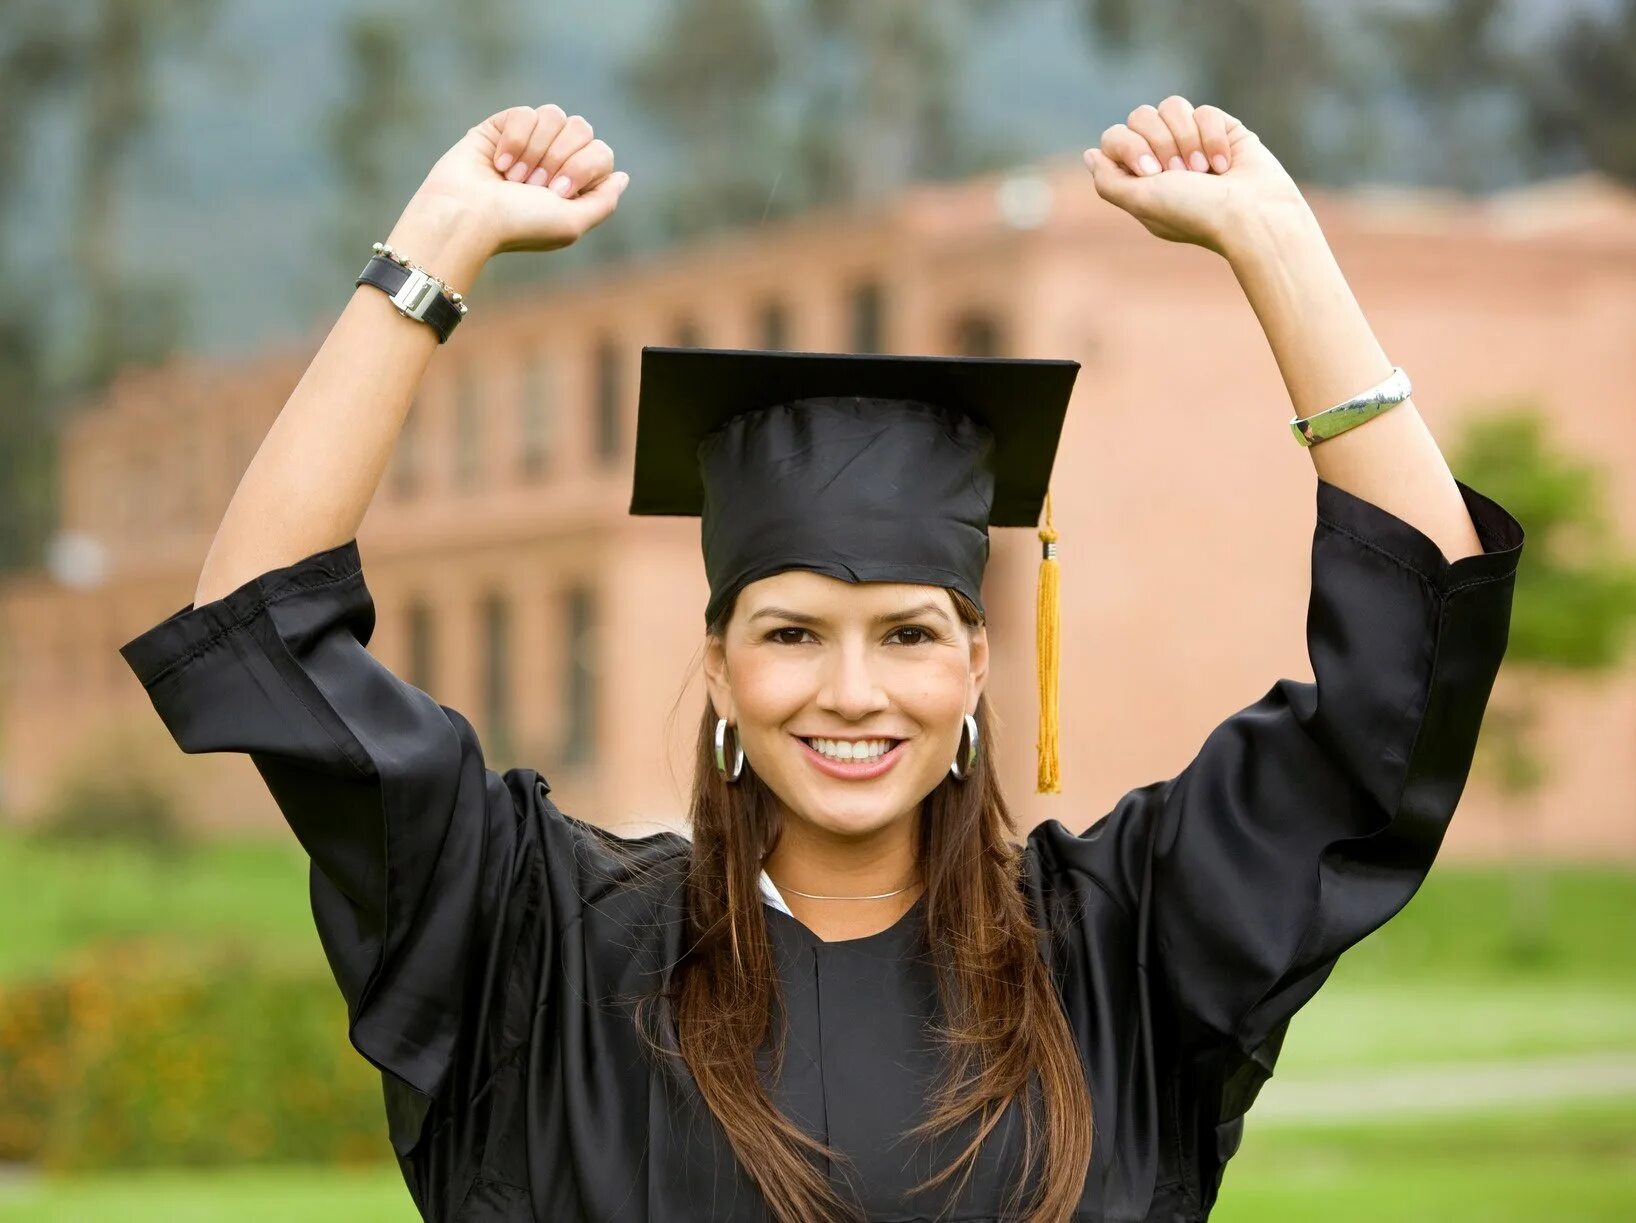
column 314, row 474
column 426, row 863
column 1198, row 175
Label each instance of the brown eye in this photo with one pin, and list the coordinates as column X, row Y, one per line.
column 924, row 637
column 776, row 635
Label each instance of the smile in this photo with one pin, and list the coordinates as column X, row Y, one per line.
column 868, row 760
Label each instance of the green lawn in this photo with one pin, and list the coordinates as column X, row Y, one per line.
column 250, row 1195
column 1574, row 1163
column 1356, row 1026
column 1565, row 1162
column 1441, row 983
column 76, row 893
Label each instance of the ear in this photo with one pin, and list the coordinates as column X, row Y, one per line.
column 715, row 678
column 979, row 664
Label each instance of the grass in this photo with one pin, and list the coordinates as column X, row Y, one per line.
column 79, row 892
column 1456, row 934
column 1449, row 979
column 1366, row 1026
column 1565, row 1162
column 245, row 1195
column 1570, row 1162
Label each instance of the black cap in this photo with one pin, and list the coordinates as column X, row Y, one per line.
column 862, row 467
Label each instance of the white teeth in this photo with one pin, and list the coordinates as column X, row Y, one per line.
column 841, row 749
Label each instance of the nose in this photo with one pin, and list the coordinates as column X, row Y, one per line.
column 850, row 689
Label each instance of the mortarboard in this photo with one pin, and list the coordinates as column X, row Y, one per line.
column 868, row 468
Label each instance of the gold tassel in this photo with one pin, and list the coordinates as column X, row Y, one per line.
column 1047, row 646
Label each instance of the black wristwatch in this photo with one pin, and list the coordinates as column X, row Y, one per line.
column 415, row 292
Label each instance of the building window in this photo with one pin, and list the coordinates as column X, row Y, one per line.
column 496, row 672
column 537, row 413
column 607, row 401
column 688, row 334
column 405, row 479
column 468, row 440
column 579, row 675
column 422, row 657
column 867, row 324
column 976, row 334
column 774, row 326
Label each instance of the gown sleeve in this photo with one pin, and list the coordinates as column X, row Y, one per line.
column 423, row 859
column 1309, row 818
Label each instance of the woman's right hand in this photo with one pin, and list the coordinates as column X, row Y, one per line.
column 509, row 171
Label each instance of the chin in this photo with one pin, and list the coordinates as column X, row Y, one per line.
column 848, row 823
column 850, row 815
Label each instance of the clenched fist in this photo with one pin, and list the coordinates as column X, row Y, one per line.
column 1189, row 174
column 533, row 178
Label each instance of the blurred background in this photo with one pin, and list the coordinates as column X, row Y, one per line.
column 187, row 188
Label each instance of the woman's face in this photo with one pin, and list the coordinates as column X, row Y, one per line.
column 807, row 658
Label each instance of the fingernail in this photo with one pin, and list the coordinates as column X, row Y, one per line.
column 1196, row 160
column 1176, row 162
column 517, row 172
column 1220, row 163
column 1149, row 164
column 560, row 185
column 503, row 161
column 537, row 179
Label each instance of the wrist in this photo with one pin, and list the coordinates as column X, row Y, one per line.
column 445, row 236
column 1271, row 231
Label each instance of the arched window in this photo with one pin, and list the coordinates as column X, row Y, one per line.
column 579, row 678
column 688, row 333
column 608, row 399
column 868, row 323
column 496, row 672
column 538, row 411
column 977, row 333
column 774, row 325
column 468, row 425
column 422, row 648
column 405, row 475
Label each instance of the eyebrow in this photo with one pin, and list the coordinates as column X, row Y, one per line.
column 805, row 618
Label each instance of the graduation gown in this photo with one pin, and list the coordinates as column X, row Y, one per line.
column 488, row 944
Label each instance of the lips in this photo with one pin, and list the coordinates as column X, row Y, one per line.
column 852, row 770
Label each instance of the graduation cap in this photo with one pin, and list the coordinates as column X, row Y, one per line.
column 867, row 468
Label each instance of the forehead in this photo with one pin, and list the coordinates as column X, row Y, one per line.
column 819, row 594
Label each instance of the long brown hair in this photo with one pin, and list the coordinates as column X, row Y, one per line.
column 1004, row 1029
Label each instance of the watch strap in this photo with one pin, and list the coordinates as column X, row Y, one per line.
column 416, row 294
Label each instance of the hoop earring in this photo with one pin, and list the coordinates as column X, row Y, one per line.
column 963, row 771
column 721, row 754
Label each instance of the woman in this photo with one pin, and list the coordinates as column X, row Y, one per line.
column 848, row 993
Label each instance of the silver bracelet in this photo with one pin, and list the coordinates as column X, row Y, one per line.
column 456, row 300
column 1349, row 413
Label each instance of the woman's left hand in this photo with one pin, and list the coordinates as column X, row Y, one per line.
column 1190, row 174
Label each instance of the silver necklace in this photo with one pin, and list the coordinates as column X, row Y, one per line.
column 815, row 896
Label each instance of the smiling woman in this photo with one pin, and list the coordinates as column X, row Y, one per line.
column 574, row 1025
column 938, row 1021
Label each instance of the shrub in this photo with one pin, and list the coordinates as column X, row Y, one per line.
column 134, row 810
column 152, row 1053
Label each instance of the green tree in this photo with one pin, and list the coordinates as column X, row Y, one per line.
column 1453, row 56
column 96, row 64
column 35, row 61
column 773, row 110
column 880, row 96
column 371, row 134
column 1266, row 62
column 707, row 79
column 1580, row 88
column 411, row 72
column 1574, row 609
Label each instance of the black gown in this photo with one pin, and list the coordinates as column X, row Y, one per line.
column 487, row 944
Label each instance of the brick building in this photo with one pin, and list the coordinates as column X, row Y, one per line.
column 511, row 584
